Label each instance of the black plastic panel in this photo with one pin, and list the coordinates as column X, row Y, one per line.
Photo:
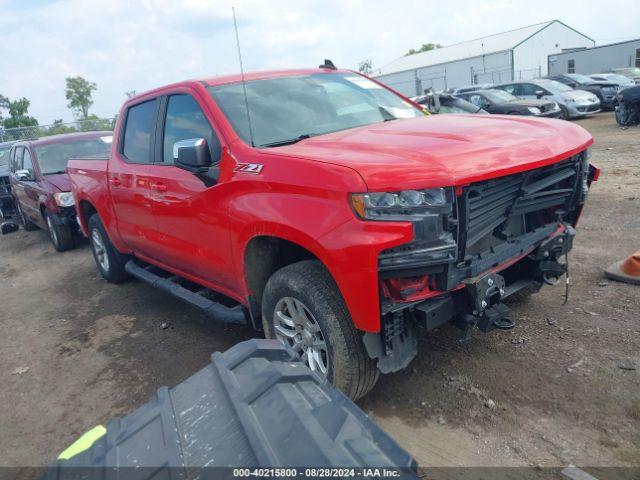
column 256, row 405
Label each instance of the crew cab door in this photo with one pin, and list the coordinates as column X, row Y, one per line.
column 191, row 216
column 128, row 177
column 25, row 186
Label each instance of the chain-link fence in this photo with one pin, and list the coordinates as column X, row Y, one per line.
column 38, row 131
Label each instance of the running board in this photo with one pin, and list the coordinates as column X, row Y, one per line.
column 198, row 299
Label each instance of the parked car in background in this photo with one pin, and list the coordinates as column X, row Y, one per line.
column 621, row 81
column 502, row 102
column 40, row 184
column 572, row 103
column 324, row 209
column 605, row 91
column 630, row 72
column 446, row 103
column 6, row 200
column 469, row 88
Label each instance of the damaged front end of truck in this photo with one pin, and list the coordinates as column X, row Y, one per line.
column 474, row 246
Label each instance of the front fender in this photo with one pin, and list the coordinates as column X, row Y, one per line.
column 346, row 246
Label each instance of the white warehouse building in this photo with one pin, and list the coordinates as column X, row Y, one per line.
column 514, row 55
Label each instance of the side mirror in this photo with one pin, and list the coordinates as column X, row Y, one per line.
column 192, row 155
column 24, row 175
column 539, row 94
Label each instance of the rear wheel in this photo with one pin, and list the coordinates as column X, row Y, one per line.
column 28, row 225
column 303, row 308
column 61, row 235
column 109, row 261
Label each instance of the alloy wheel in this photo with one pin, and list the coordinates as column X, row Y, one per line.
column 100, row 249
column 295, row 325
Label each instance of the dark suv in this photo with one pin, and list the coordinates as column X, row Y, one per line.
column 6, row 200
column 40, row 185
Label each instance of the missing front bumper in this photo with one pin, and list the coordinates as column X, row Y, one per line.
column 478, row 301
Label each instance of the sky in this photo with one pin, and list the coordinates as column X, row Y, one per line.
column 138, row 45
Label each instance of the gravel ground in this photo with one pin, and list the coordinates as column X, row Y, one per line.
column 562, row 387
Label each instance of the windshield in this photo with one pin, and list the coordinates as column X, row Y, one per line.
column 4, row 155
column 499, row 96
column 553, row 86
column 634, row 72
column 619, row 79
column 284, row 110
column 53, row 158
column 581, row 79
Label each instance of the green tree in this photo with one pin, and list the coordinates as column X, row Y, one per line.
column 93, row 123
column 366, row 66
column 58, row 127
column 424, row 48
column 78, row 93
column 18, row 113
column 4, row 103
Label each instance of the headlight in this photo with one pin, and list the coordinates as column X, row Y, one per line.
column 434, row 226
column 64, row 199
column 398, row 206
column 534, row 110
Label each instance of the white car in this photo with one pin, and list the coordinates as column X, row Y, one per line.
column 573, row 103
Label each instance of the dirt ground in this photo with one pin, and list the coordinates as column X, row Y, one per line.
column 562, row 387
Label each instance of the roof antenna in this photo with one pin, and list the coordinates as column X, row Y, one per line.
column 244, row 85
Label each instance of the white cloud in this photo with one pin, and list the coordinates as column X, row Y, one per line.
column 126, row 45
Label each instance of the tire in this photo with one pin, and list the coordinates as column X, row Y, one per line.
column 112, row 269
column 347, row 365
column 564, row 115
column 61, row 235
column 28, row 225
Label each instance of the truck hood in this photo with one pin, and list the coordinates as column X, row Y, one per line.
column 60, row 181
column 444, row 150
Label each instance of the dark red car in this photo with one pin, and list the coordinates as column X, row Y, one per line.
column 40, row 184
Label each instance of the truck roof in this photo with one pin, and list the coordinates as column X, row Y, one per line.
column 223, row 79
column 237, row 77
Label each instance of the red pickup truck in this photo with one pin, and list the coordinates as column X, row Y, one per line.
column 328, row 211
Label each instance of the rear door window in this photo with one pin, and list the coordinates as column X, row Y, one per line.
column 512, row 89
column 529, row 89
column 138, row 131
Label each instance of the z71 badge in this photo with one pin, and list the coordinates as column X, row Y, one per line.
column 254, row 168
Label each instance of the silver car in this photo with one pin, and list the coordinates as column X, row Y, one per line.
column 573, row 103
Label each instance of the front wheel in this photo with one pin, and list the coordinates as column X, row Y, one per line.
column 303, row 308
column 61, row 235
column 564, row 113
column 109, row 261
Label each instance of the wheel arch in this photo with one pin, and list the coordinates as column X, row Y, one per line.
column 85, row 210
column 262, row 256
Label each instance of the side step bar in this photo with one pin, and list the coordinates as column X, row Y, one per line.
column 217, row 310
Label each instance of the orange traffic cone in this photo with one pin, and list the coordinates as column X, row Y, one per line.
column 627, row 271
